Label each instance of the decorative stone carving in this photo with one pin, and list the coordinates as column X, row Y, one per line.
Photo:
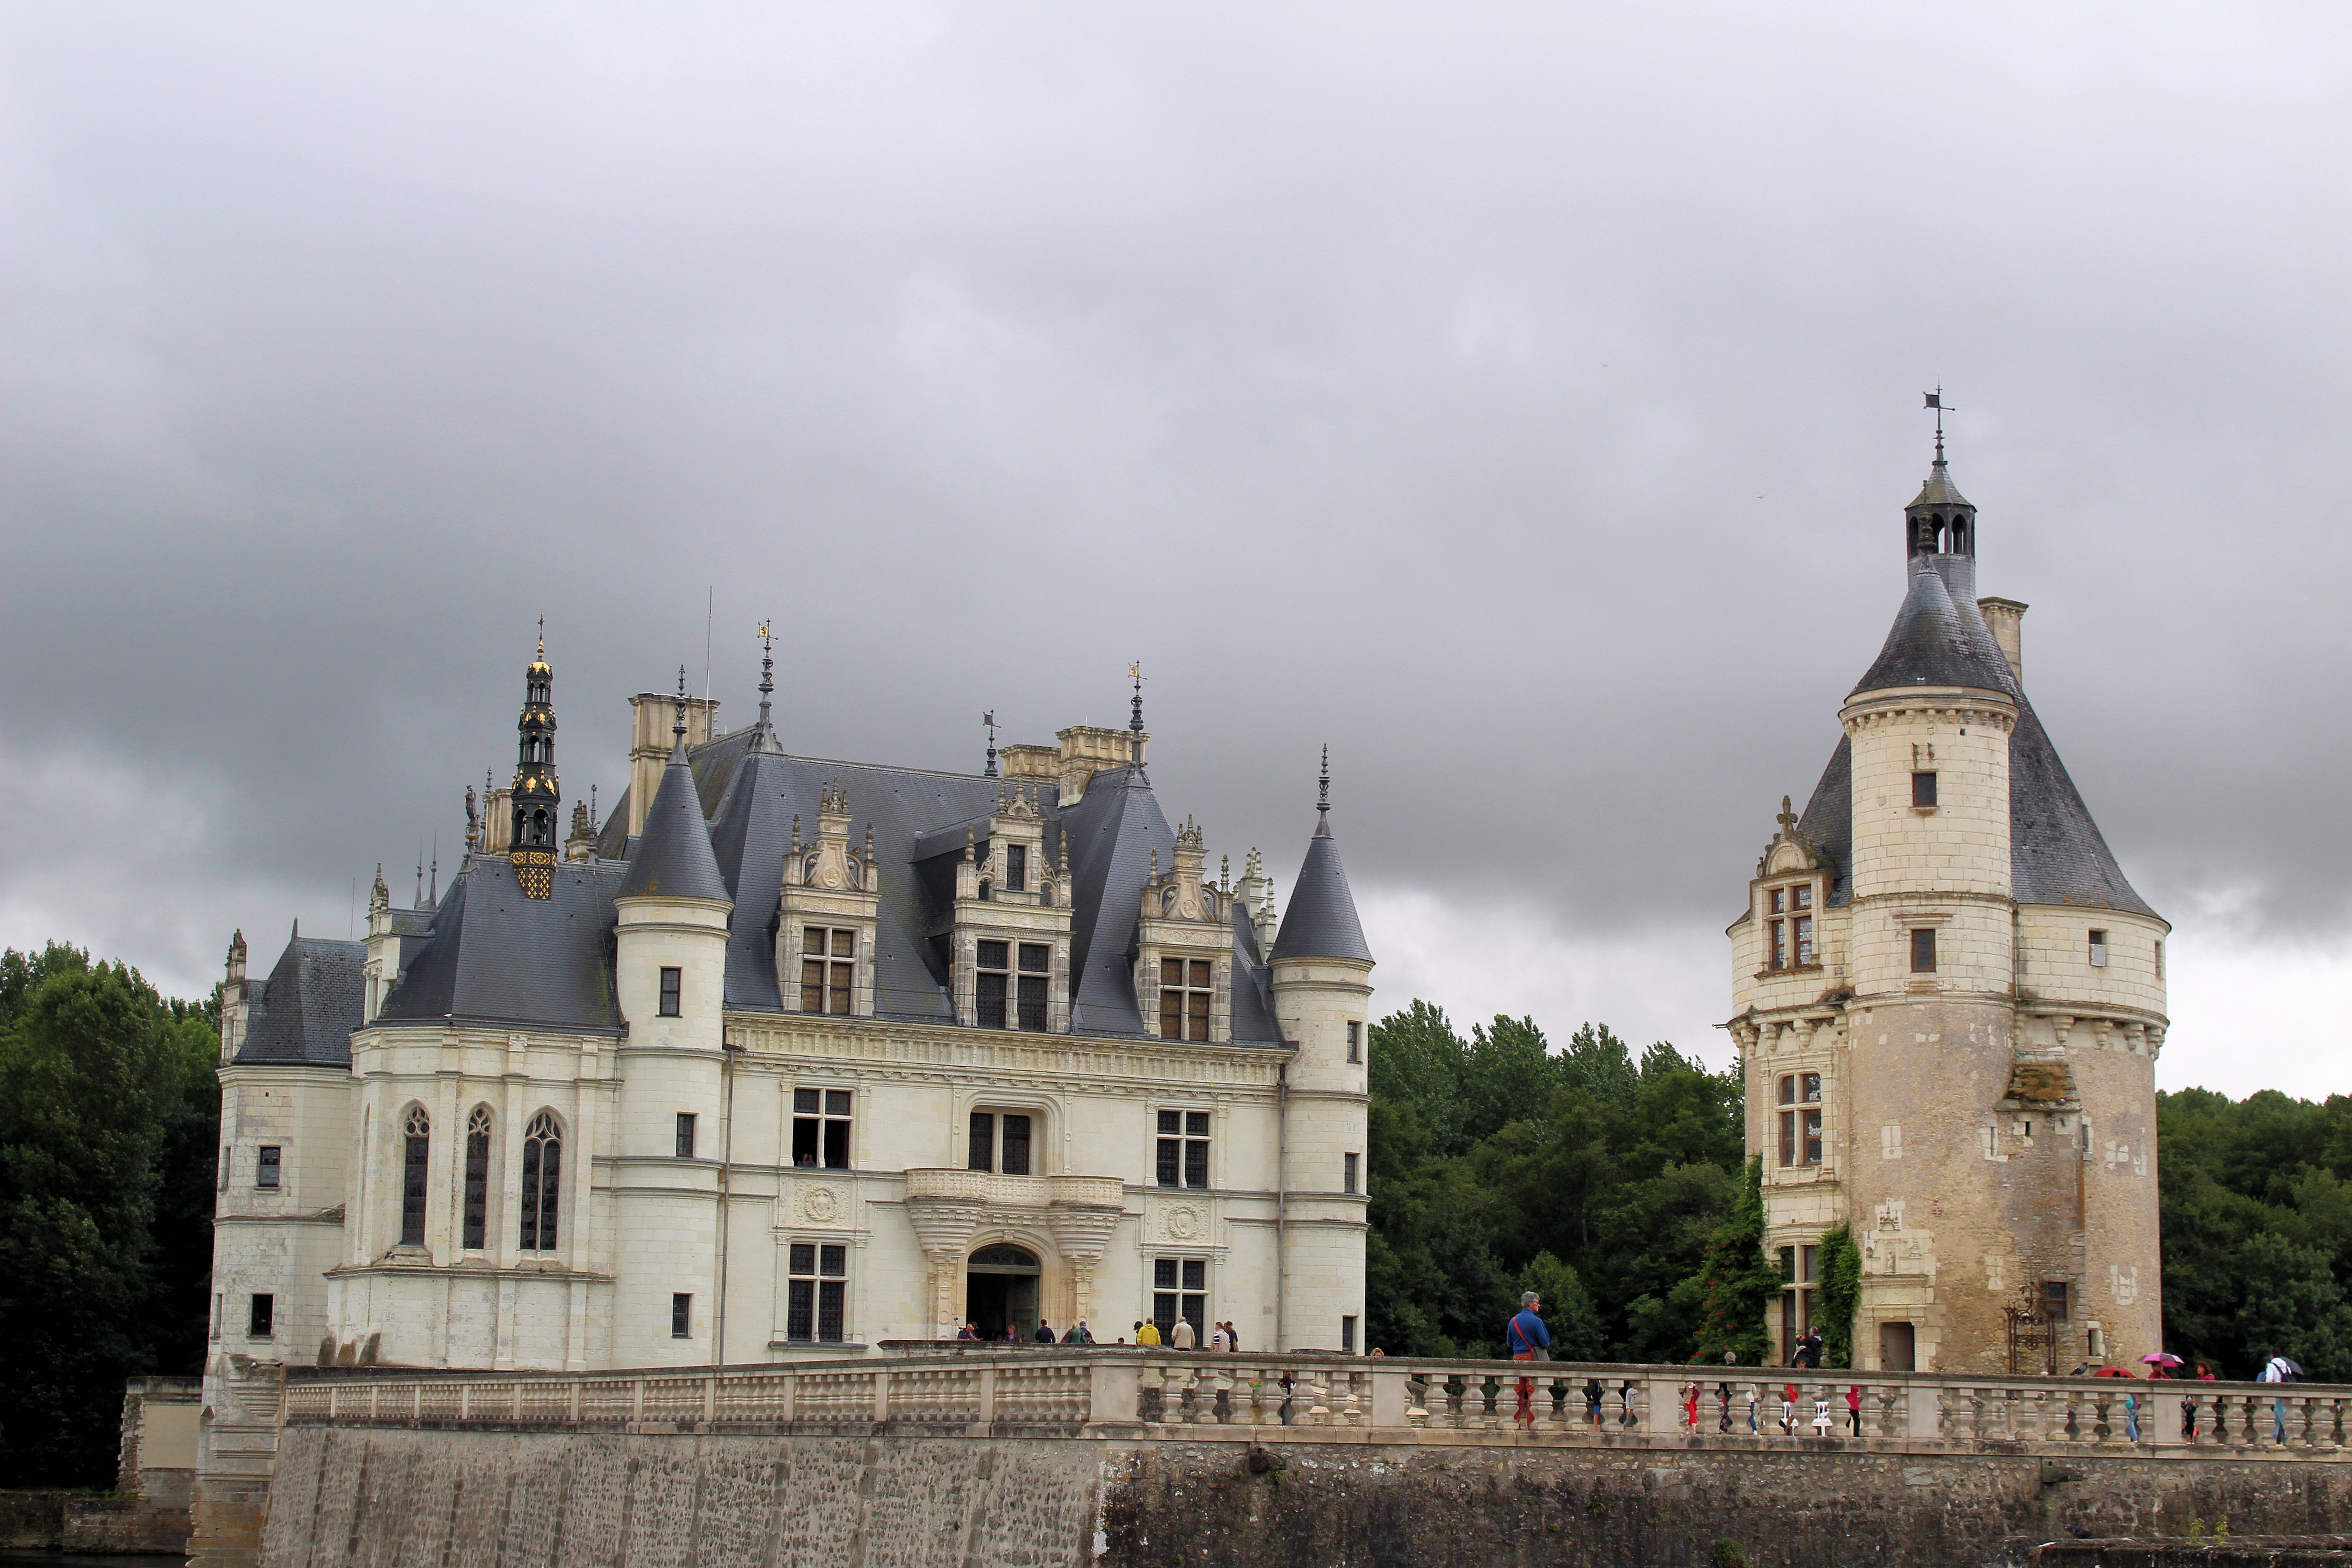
column 821, row 1205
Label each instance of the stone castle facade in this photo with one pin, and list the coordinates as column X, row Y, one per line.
column 1950, row 1005
column 791, row 1058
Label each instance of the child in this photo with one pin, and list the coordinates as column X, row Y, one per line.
column 1854, row 1409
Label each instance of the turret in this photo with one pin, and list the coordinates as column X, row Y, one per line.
column 536, row 795
column 669, row 972
column 1322, row 988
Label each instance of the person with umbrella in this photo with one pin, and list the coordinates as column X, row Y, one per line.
column 2162, row 1361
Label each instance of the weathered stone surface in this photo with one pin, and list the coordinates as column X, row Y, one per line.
column 535, row 1499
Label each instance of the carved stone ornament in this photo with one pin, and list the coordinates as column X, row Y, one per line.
column 1183, row 1222
column 821, row 1206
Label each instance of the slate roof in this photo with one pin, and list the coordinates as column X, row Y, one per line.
column 673, row 857
column 1320, row 921
column 1939, row 490
column 1934, row 642
column 305, row 1012
column 749, row 791
column 494, row 955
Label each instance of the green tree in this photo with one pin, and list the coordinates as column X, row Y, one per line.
column 1507, row 1076
column 2295, row 1308
column 1739, row 1282
column 1568, row 1311
column 1840, row 1293
column 1416, row 1059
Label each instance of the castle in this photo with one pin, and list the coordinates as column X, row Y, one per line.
column 1950, row 1005
column 792, row 1057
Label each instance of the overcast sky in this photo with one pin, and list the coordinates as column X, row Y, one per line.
column 1521, row 400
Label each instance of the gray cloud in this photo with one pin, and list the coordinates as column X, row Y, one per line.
column 1521, row 401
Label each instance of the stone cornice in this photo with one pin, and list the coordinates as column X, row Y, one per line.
column 788, row 1041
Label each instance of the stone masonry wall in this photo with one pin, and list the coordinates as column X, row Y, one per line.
column 393, row 1495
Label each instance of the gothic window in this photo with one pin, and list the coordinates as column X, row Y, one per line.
column 817, row 1288
column 995, row 963
column 1016, row 867
column 1035, row 959
column 1184, row 986
column 1800, row 1119
column 1923, row 951
column 478, row 1179
column 1180, row 1289
column 828, row 969
column 673, row 989
column 985, row 1152
column 417, row 1149
column 1183, row 1151
column 542, row 1181
column 1790, row 932
column 821, row 1128
column 265, row 1166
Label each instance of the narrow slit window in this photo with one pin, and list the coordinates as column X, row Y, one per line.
column 686, row 1135
column 2098, row 950
column 673, row 983
column 416, row 1134
column 1348, row 1173
column 1355, row 1041
column 1923, row 951
column 681, row 1316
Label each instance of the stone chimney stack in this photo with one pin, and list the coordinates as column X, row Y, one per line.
column 2007, row 617
column 650, row 738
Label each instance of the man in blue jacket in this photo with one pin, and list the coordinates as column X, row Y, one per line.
column 1527, row 1339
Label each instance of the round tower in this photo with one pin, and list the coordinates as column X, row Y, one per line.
column 669, row 974
column 1322, row 985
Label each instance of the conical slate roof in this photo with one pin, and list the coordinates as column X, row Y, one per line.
column 1320, row 921
column 1935, row 643
column 673, row 857
column 1939, row 490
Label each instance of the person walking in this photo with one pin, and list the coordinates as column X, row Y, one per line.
column 1690, row 1406
column 2278, row 1369
column 1723, row 1396
column 1526, row 1339
column 1217, row 1337
column 1234, row 1337
column 1147, row 1333
column 1592, row 1392
column 1854, row 1409
column 1789, row 1408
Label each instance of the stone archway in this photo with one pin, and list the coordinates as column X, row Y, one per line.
column 1001, row 1287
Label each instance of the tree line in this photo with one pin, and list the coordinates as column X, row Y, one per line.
column 1618, row 1187
column 109, row 1114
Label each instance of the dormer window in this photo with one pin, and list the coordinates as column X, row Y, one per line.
column 1185, row 988
column 1789, row 942
column 1016, row 867
column 828, row 969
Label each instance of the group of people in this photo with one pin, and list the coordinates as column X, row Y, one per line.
column 1080, row 1335
column 1181, row 1335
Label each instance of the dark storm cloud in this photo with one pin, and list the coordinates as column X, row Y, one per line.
column 1521, row 401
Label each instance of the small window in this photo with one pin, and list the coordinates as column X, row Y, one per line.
column 1923, row 951
column 2053, row 1300
column 2098, row 950
column 1016, row 867
column 1923, row 789
column 261, row 1321
column 681, row 1316
column 672, row 980
column 1348, row 1173
column 1801, row 1127
column 979, row 1143
column 1036, row 959
column 686, row 1135
column 816, row 1291
column 1355, row 1041
column 821, row 1128
column 1183, row 1153
column 2159, row 959
column 265, row 1167
column 993, row 985
column 1348, row 1336
column 2098, row 1345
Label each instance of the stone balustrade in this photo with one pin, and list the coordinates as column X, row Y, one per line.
column 995, row 1191
column 1203, row 1396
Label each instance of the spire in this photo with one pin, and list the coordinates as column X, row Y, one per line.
column 988, row 719
column 433, row 891
column 767, row 729
column 677, row 726
column 1321, row 920
column 1135, row 721
column 537, row 792
column 1940, row 520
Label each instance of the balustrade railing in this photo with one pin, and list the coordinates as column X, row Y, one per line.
column 1323, row 1397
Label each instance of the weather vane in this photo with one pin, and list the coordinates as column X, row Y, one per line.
column 988, row 719
column 1936, row 400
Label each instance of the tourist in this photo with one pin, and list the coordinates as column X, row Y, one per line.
column 1081, row 1335
column 1012, row 1333
column 1789, row 1407
column 1690, row 1406
column 969, row 1331
column 1147, row 1333
column 1593, row 1400
column 1232, row 1336
column 1044, row 1332
column 1218, row 1339
column 1854, row 1409
column 1181, row 1336
column 1625, row 1403
column 1731, row 1358
column 2278, row 1369
column 1723, row 1396
column 1526, row 1339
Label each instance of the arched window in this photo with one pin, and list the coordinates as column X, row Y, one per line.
column 417, row 1132
column 477, row 1178
column 543, row 1179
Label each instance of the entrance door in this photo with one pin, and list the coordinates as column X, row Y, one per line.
column 1897, row 1348
column 1001, row 1291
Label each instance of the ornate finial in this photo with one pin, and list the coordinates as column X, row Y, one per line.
column 1155, row 864
column 767, row 671
column 1787, row 819
column 1135, row 721
column 592, row 817
column 796, row 832
column 379, row 896
column 988, row 722
column 1064, row 856
column 472, row 829
column 543, row 638
column 677, row 728
column 968, row 841
column 1936, row 400
column 1224, row 873
column 869, row 844
column 419, row 902
column 1001, row 802
column 1323, row 787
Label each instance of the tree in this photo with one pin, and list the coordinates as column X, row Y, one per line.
column 1573, row 1321
column 1507, row 1076
column 1739, row 1281
column 1840, row 1293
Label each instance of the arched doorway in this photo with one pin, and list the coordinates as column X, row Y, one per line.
column 1000, row 1290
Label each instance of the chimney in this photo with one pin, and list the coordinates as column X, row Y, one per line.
column 651, row 716
column 2006, row 617
column 1087, row 749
